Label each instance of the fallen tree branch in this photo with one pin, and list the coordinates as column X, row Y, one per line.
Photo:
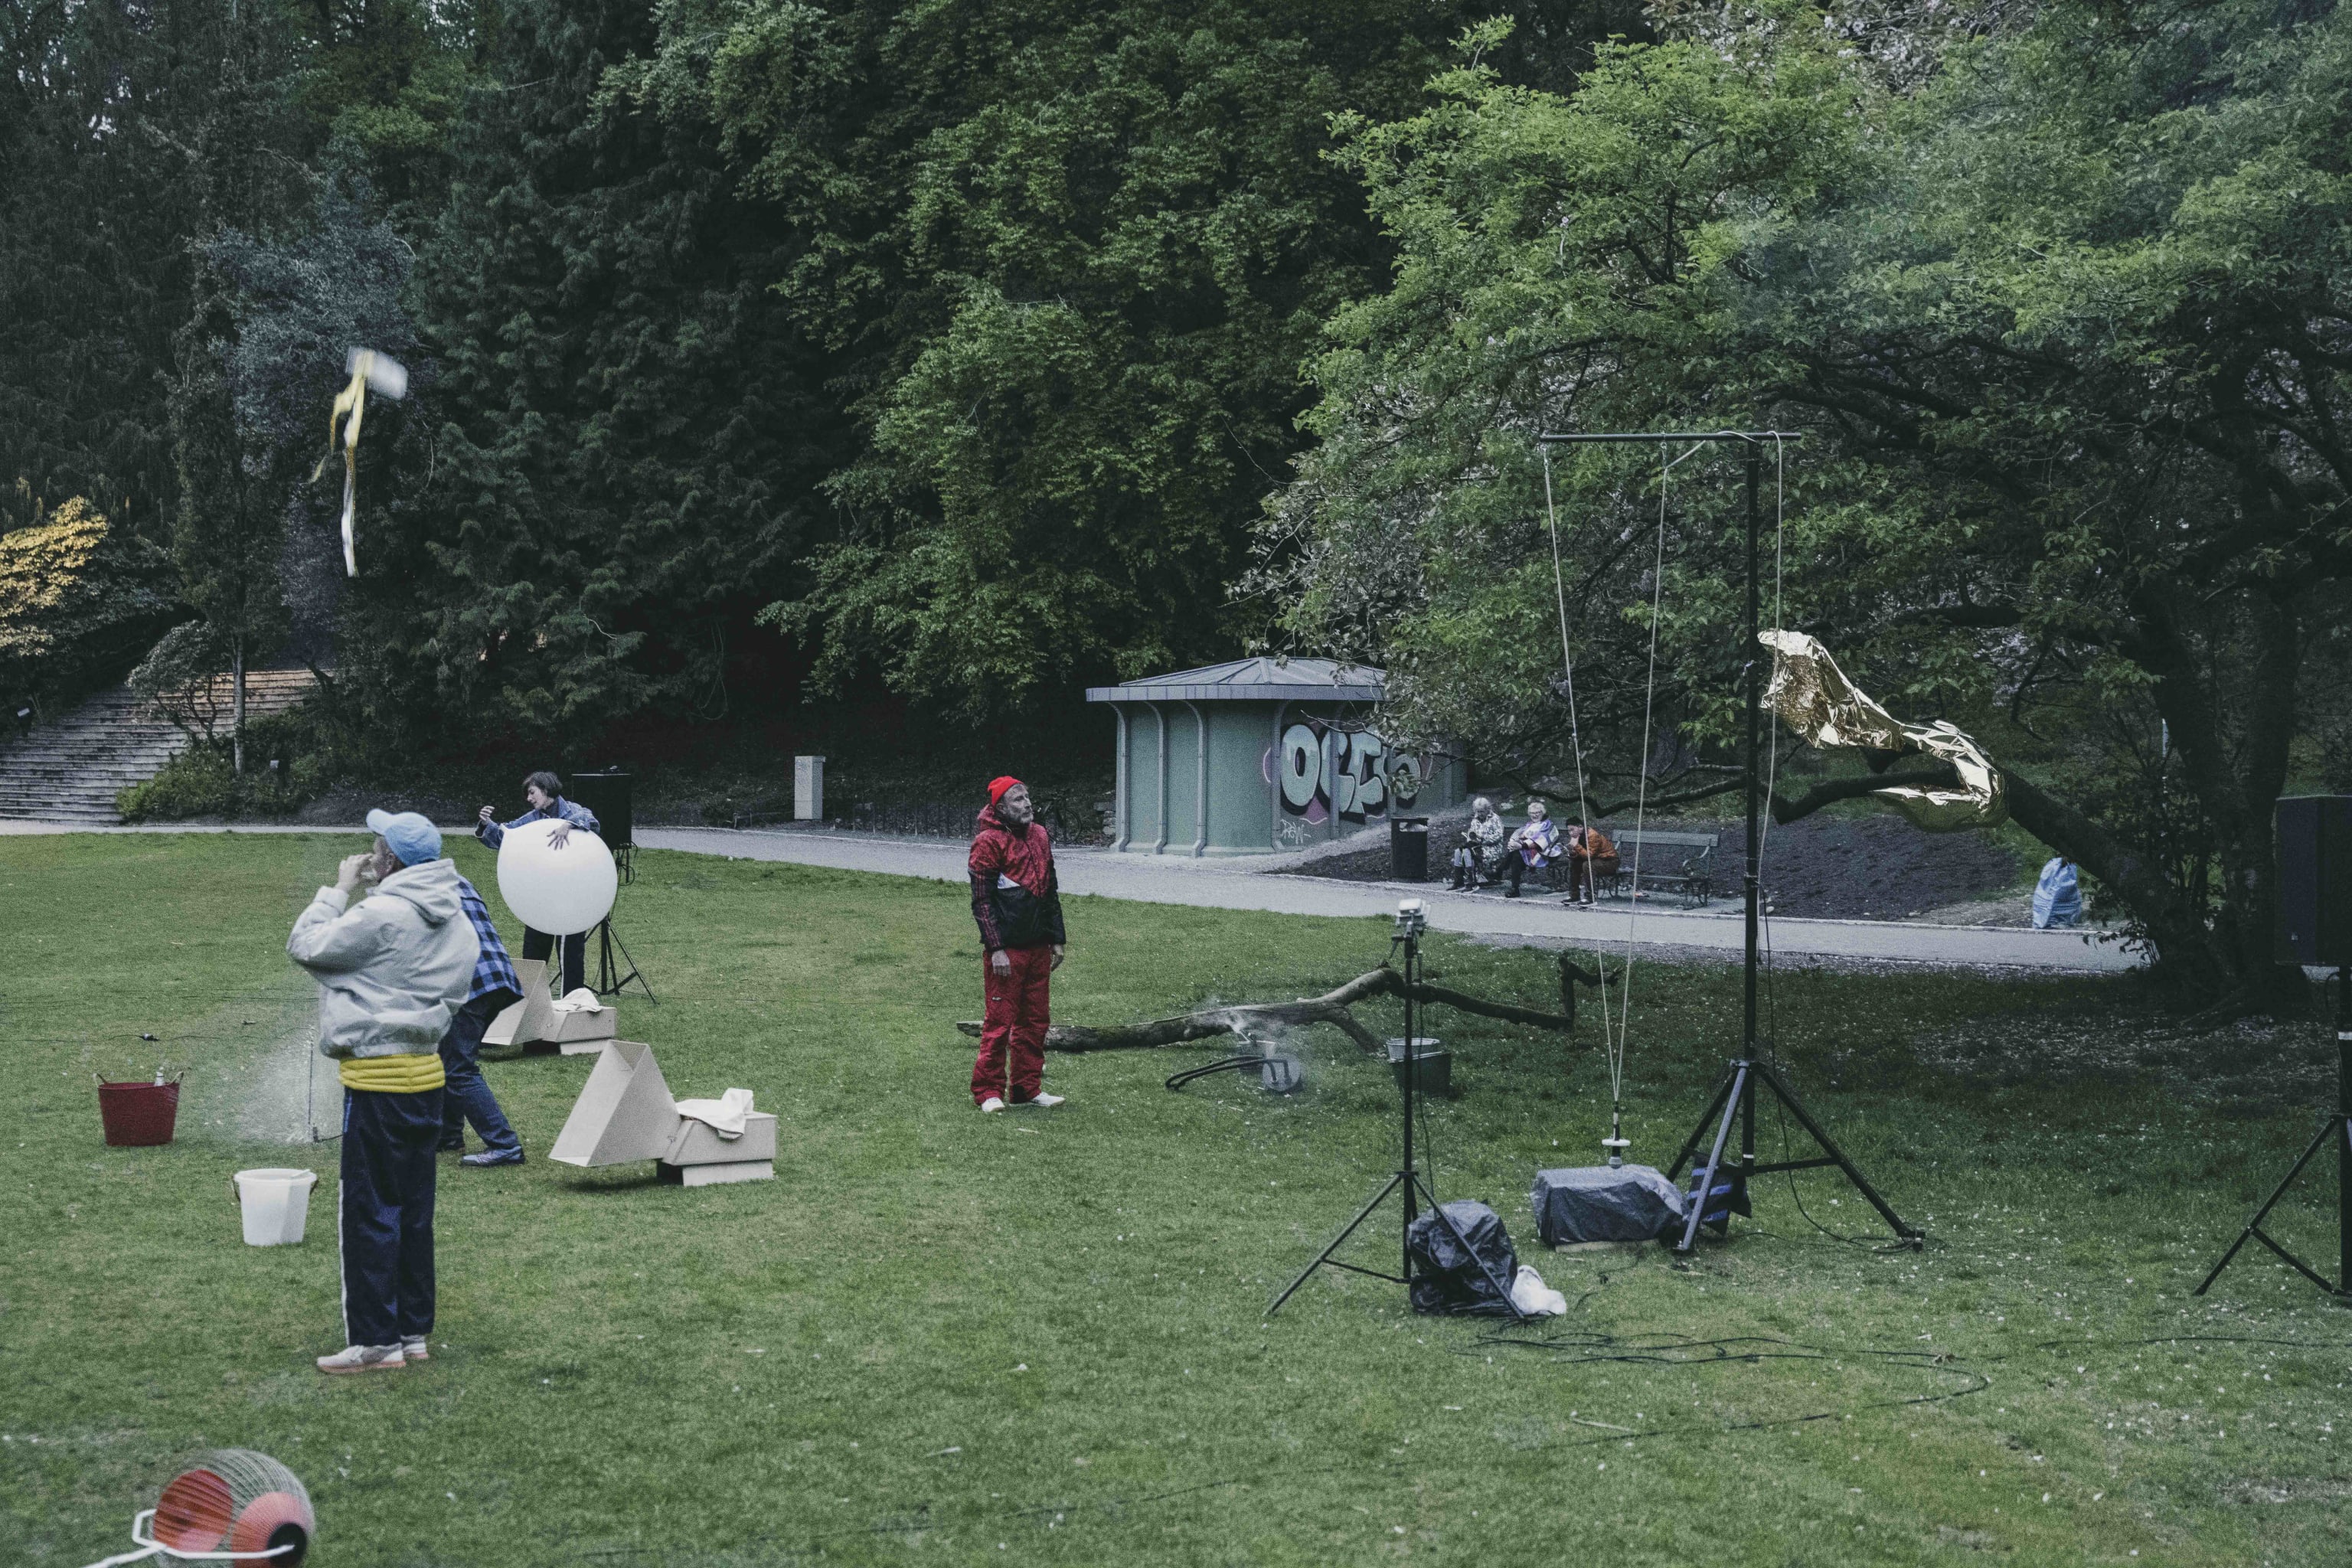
column 1332, row 1008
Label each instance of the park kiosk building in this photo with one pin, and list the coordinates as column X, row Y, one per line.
column 1263, row 755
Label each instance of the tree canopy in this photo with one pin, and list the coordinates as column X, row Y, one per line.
column 770, row 348
column 2062, row 319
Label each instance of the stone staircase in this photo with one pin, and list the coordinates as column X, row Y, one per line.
column 70, row 770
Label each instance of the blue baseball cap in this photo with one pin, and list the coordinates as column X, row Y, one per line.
column 413, row 838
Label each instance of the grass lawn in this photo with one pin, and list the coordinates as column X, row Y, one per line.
column 939, row 1337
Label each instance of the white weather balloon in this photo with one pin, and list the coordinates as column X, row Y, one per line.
column 558, row 891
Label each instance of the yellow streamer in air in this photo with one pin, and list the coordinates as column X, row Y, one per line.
column 388, row 376
column 1813, row 696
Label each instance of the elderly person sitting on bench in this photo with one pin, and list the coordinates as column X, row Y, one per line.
column 1535, row 844
column 1480, row 860
column 1590, row 855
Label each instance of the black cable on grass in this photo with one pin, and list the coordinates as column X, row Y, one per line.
column 1228, row 1064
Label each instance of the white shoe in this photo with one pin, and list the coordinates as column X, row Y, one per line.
column 416, row 1349
column 992, row 1103
column 1043, row 1100
column 364, row 1358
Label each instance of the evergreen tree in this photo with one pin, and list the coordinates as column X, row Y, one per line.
column 612, row 471
column 1071, row 258
column 96, row 211
column 229, row 517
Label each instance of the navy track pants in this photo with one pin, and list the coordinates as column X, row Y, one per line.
column 386, row 1214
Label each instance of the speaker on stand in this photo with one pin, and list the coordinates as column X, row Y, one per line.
column 608, row 794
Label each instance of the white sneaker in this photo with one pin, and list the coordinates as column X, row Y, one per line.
column 416, row 1349
column 992, row 1103
column 1043, row 1100
column 362, row 1358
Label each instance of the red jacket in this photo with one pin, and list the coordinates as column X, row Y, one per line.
column 1016, row 900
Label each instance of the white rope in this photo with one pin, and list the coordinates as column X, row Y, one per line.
column 1780, row 517
column 1642, row 784
column 1610, row 1049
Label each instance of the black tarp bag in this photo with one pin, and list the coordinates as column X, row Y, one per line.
column 1449, row 1278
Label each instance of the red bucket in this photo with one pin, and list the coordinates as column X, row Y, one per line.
column 138, row 1115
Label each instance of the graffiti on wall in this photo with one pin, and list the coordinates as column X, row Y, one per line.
column 1325, row 771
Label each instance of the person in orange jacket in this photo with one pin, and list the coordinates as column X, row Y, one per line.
column 1590, row 855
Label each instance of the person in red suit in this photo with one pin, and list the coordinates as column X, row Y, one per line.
column 1017, row 905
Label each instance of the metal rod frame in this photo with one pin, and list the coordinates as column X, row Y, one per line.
column 1735, row 1096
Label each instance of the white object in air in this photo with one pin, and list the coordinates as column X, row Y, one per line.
column 558, row 891
column 275, row 1204
column 1532, row 1297
column 381, row 370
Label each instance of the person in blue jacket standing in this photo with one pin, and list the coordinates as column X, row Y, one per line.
column 544, row 791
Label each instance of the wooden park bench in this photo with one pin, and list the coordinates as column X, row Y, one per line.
column 1681, row 862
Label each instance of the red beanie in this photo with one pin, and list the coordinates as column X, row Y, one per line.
column 997, row 787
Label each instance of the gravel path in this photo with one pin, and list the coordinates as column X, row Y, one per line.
column 1710, row 935
column 1713, row 934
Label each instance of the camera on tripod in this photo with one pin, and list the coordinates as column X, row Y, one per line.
column 1411, row 920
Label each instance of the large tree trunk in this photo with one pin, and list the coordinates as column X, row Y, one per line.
column 2238, row 786
column 2179, row 940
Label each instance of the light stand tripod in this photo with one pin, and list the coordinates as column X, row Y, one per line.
column 1735, row 1096
column 2338, row 1127
column 1409, row 923
column 606, row 986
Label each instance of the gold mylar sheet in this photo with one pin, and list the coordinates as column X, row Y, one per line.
column 1813, row 696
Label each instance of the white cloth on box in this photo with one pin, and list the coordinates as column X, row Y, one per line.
column 1530, row 1295
column 581, row 1001
column 724, row 1116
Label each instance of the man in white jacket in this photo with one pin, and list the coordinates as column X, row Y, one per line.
column 391, row 970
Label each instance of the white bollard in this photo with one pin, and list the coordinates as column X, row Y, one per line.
column 808, row 789
column 275, row 1204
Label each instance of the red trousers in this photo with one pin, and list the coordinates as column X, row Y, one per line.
column 1012, row 1064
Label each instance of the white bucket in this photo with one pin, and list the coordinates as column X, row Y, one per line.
column 277, row 1204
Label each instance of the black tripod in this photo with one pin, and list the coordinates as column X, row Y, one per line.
column 606, row 969
column 1716, row 1194
column 1408, row 1178
column 2337, row 1129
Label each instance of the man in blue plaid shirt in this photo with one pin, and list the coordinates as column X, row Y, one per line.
column 465, row 1096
